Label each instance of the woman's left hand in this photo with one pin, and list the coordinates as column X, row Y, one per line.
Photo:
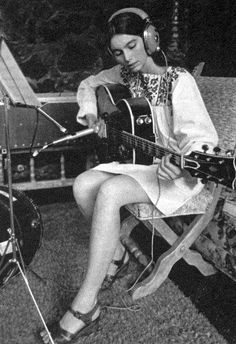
column 167, row 170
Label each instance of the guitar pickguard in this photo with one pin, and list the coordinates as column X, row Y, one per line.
column 127, row 115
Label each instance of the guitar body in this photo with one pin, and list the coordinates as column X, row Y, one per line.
column 123, row 114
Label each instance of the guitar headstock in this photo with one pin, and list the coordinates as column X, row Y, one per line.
column 212, row 167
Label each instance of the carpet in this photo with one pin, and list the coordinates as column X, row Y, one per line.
column 167, row 316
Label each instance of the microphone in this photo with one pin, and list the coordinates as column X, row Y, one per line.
column 134, row 249
column 68, row 138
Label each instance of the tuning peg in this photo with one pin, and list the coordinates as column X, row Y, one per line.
column 217, row 150
column 205, row 148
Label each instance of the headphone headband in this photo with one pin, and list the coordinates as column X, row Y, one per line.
column 143, row 15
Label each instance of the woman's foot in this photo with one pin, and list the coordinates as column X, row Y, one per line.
column 117, row 268
column 73, row 325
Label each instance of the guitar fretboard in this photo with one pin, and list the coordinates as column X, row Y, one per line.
column 148, row 147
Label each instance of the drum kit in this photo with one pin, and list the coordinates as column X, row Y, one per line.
column 27, row 235
column 21, row 223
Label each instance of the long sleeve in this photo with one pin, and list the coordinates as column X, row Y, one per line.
column 191, row 122
column 86, row 96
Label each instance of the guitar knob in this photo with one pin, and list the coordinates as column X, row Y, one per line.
column 205, row 148
column 230, row 152
column 148, row 120
column 139, row 121
column 217, row 150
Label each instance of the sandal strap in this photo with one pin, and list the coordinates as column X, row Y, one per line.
column 85, row 317
column 119, row 262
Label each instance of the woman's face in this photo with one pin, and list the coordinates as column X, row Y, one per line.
column 129, row 50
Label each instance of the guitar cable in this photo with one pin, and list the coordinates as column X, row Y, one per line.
column 152, row 241
column 158, row 182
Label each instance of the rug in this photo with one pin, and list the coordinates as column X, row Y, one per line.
column 55, row 274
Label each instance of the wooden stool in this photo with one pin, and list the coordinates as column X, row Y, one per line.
column 203, row 206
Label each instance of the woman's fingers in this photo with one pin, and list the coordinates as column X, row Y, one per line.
column 91, row 119
column 95, row 123
column 167, row 170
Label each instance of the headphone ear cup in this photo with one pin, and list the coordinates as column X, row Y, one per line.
column 151, row 39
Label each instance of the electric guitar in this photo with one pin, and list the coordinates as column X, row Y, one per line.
column 129, row 135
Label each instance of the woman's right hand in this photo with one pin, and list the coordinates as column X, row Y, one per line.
column 95, row 123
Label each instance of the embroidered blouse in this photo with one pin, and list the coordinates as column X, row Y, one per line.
column 181, row 123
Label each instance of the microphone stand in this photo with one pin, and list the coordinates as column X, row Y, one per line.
column 61, row 128
column 12, row 240
column 12, row 243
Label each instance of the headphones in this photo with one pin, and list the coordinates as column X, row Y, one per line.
column 151, row 36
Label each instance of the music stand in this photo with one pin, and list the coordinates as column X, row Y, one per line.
column 15, row 90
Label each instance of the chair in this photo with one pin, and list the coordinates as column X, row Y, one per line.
column 202, row 206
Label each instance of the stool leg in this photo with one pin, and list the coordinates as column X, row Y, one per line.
column 191, row 257
column 128, row 225
column 169, row 258
column 194, row 258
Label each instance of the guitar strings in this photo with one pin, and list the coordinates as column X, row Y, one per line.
column 133, row 138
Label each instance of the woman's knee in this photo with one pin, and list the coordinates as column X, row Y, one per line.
column 121, row 190
column 112, row 192
column 80, row 183
column 87, row 184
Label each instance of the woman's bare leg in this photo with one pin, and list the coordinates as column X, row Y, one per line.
column 112, row 194
column 85, row 189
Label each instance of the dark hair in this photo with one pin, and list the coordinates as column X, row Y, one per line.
column 127, row 23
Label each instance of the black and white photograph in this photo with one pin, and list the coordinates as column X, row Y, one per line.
column 117, row 172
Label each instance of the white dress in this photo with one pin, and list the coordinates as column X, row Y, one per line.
column 182, row 124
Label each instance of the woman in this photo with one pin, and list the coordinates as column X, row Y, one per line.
column 181, row 124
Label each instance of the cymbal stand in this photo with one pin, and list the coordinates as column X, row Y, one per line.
column 12, row 242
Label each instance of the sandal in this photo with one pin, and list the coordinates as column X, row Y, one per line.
column 61, row 336
column 121, row 271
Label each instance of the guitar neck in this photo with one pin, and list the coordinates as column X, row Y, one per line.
column 147, row 147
